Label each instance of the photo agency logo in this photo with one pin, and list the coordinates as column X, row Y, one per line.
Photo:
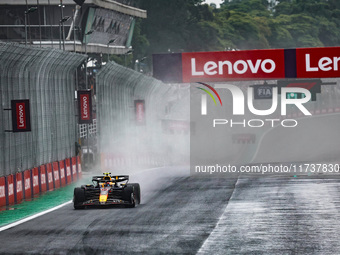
column 238, row 105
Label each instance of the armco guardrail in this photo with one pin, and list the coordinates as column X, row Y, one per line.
column 130, row 110
column 46, row 78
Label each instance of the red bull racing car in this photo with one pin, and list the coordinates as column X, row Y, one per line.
column 107, row 190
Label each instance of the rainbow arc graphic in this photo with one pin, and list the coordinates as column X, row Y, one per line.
column 209, row 93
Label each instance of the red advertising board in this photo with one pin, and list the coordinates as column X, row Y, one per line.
column 27, row 184
column 49, row 173
column 318, row 62
column 79, row 167
column 56, row 177
column 19, row 187
column 247, row 65
column 62, row 173
column 10, row 188
column 140, row 111
column 2, row 191
column 85, row 106
column 35, row 178
column 233, row 65
column 68, row 170
column 43, row 178
column 74, row 168
column 21, row 121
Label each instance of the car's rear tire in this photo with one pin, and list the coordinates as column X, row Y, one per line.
column 136, row 192
column 78, row 198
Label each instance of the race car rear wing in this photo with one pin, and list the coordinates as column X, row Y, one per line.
column 114, row 178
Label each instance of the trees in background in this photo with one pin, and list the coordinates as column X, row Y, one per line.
column 187, row 25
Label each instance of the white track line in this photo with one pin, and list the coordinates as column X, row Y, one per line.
column 33, row 217
column 218, row 224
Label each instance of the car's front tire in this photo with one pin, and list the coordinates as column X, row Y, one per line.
column 78, row 198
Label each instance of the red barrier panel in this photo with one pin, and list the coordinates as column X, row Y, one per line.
column 68, row 171
column 79, row 168
column 62, row 173
column 19, row 187
column 74, row 168
column 49, row 176
column 27, row 184
column 35, row 176
column 43, row 185
column 56, row 175
column 10, row 187
column 2, row 191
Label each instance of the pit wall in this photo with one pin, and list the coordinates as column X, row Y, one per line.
column 25, row 185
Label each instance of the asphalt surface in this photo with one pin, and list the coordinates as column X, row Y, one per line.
column 186, row 215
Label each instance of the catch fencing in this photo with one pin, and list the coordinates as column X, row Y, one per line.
column 131, row 111
column 45, row 77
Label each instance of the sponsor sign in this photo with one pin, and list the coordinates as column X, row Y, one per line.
column 318, row 62
column 263, row 92
column 10, row 186
column 247, row 65
column 233, row 65
column 140, row 112
column 2, row 191
column 49, row 173
column 62, row 172
column 74, row 168
column 313, row 85
column 68, row 170
column 55, row 170
column 85, row 107
column 27, row 184
column 21, row 119
column 79, row 167
column 43, row 176
column 175, row 126
column 19, row 187
column 35, row 180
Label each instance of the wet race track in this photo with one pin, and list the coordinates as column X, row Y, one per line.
column 186, row 215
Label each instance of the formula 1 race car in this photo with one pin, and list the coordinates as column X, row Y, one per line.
column 107, row 190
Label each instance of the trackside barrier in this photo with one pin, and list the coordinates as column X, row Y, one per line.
column 2, row 191
column 111, row 161
column 42, row 178
column 19, row 194
column 27, row 184
column 50, row 181
column 56, row 178
column 79, row 168
column 10, row 189
column 24, row 185
column 62, row 173
column 68, row 171
column 74, row 168
column 35, row 178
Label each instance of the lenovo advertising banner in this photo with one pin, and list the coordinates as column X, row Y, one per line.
column 235, row 65
column 247, row 65
column 21, row 118
column 140, row 112
column 84, row 107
